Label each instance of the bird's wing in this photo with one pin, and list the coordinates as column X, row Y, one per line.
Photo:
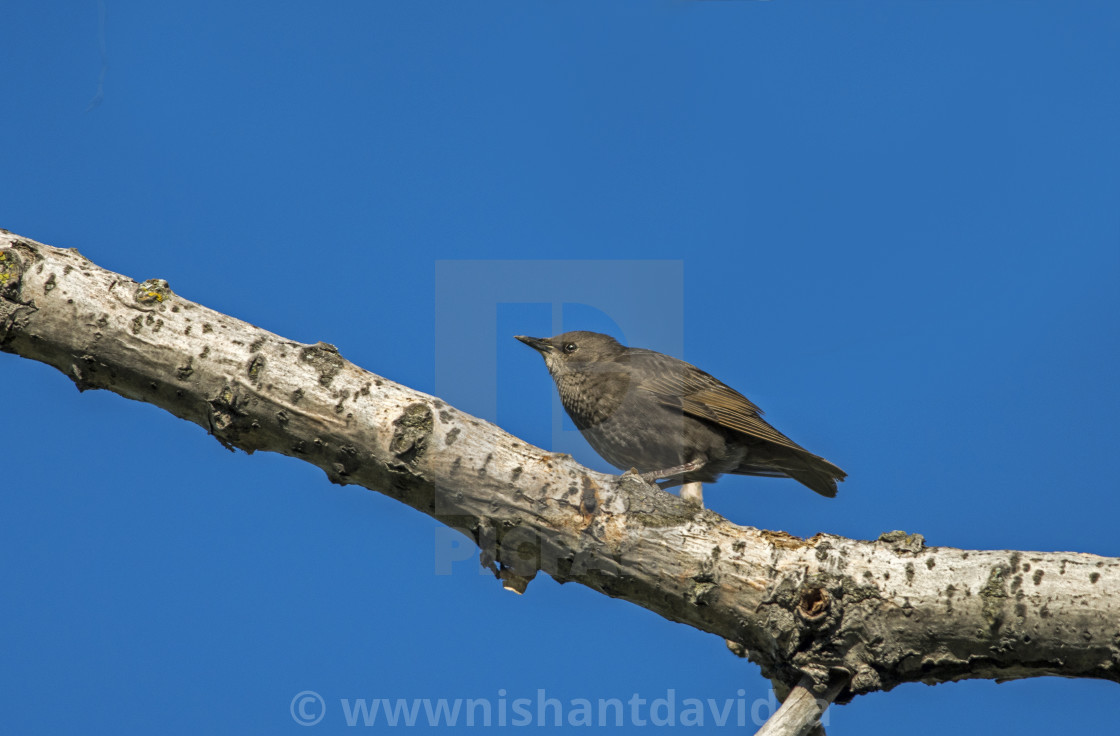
column 699, row 394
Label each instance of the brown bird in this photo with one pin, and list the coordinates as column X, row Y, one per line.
column 669, row 420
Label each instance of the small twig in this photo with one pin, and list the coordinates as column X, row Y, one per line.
column 801, row 711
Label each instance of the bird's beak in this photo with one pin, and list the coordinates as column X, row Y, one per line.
column 536, row 343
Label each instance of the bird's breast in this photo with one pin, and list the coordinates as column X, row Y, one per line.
column 591, row 398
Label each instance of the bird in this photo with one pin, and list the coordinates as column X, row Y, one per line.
column 669, row 421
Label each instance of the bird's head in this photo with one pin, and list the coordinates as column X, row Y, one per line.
column 575, row 351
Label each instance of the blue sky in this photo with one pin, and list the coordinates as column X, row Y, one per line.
column 893, row 226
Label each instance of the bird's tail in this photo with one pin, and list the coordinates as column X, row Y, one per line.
column 811, row 471
column 818, row 475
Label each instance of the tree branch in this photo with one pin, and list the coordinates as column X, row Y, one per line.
column 802, row 708
column 882, row 612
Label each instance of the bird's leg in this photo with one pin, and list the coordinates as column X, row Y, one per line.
column 693, row 491
column 678, row 470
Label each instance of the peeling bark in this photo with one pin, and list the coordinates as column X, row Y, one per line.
column 877, row 612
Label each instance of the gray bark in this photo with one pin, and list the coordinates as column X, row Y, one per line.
column 878, row 613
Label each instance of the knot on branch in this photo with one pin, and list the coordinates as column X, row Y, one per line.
column 324, row 358
column 229, row 420
column 511, row 552
column 152, row 292
column 814, row 603
column 11, row 273
column 411, row 431
column 900, row 541
column 14, row 310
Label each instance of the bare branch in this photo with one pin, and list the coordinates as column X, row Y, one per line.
column 883, row 612
column 801, row 710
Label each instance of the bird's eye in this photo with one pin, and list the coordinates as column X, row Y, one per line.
column 570, row 347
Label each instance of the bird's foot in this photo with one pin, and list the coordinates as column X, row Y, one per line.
column 669, row 472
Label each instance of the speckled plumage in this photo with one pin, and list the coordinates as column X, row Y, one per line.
column 648, row 411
